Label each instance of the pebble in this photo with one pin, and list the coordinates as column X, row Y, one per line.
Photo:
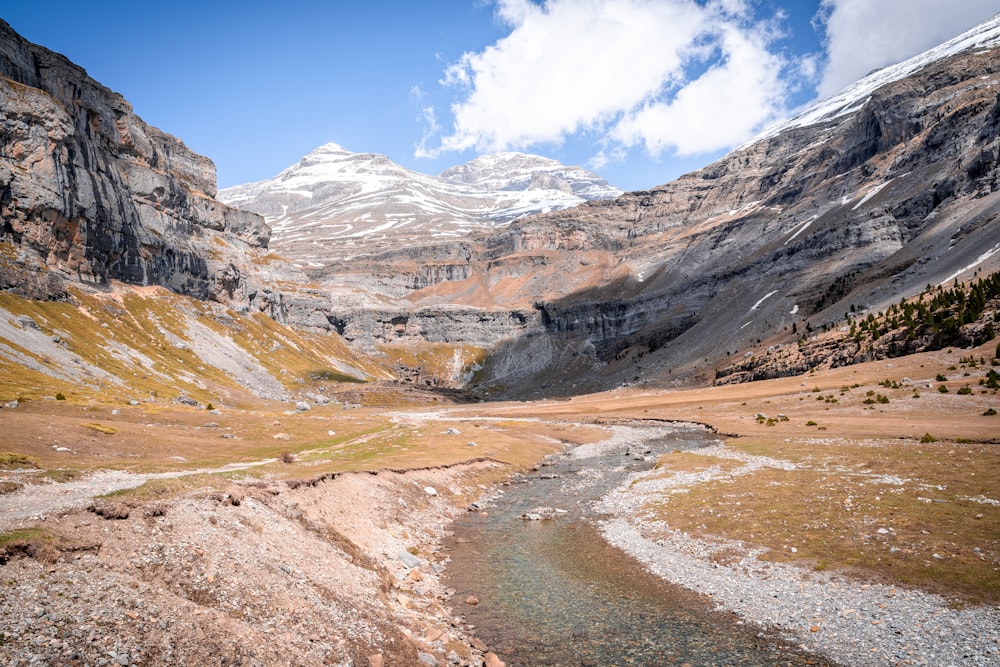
column 859, row 620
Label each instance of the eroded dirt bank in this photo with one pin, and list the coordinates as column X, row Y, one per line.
column 342, row 571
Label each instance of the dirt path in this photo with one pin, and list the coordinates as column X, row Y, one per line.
column 34, row 502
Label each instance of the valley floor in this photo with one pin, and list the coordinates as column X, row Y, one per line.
column 864, row 531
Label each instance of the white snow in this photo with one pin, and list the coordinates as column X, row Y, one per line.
column 850, row 99
column 368, row 194
column 801, row 229
column 871, row 193
column 763, row 299
column 979, row 260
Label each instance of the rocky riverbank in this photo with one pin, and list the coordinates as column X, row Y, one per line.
column 337, row 571
column 840, row 618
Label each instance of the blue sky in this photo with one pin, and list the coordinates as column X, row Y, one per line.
column 641, row 91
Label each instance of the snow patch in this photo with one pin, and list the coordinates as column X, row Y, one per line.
column 979, row 260
column 763, row 299
column 871, row 193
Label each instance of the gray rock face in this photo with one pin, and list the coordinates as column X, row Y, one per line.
column 91, row 193
column 861, row 207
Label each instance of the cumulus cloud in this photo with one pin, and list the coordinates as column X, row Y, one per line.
column 668, row 75
column 862, row 35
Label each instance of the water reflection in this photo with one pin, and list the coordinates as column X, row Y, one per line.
column 554, row 593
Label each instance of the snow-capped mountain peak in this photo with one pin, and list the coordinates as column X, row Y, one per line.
column 984, row 36
column 333, row 201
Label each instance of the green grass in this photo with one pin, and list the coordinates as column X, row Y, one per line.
column 12, row 461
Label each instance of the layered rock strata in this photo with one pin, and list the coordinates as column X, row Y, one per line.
column 90, row 193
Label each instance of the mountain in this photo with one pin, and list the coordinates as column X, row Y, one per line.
column 89, row 193
column 858, row 202
column 334, row 203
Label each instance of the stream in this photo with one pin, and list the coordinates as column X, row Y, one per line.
column 553, row 592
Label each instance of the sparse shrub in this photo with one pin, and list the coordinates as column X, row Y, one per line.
column 288, row 457
column 915, row 395
column 928, row 438
column 101, row 428
column 810, row 423
column 965, row 391
column 943, row 389
column 992, row 380
column 990, row 412
column 939, row 378
column 209, row 407
column 60, row 396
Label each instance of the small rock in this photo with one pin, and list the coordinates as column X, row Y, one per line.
column 430, row 491
column 493, row 660
column 453, row 431
column 133, row 402
column 110, row 510
column 302, row 406
column 408, row 559
column 281, row 436
column 116, row 412
column 433, row 634
column 427, row 659
column 376, row 660
column 472, row 600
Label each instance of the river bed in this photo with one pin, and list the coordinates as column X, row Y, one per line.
column 553, row 592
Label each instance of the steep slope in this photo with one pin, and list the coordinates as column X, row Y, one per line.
column 892, row 187
column 334, row 203
column 148, row 345
column 90, row 193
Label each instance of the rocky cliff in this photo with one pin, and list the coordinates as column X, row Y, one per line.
column 860, row 201
column 90, row 193
column 855, row 203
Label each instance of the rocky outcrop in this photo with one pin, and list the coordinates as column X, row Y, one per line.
column 857, row 207
column 90, row 193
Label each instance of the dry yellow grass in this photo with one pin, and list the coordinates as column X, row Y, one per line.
column 870, row 494
column 852, row 432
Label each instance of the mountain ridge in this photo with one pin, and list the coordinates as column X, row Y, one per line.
column 335, row 203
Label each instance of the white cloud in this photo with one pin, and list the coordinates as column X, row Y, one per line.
column 862, row 35
column 669, row 75
column 721, row 108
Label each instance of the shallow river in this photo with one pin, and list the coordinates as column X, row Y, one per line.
column 552, row 592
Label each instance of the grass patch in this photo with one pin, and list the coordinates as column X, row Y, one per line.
column 162, row 489
column 100, row 428
column 326, row 375
column 897, row 512
column 33, row 534
column 12, row 461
